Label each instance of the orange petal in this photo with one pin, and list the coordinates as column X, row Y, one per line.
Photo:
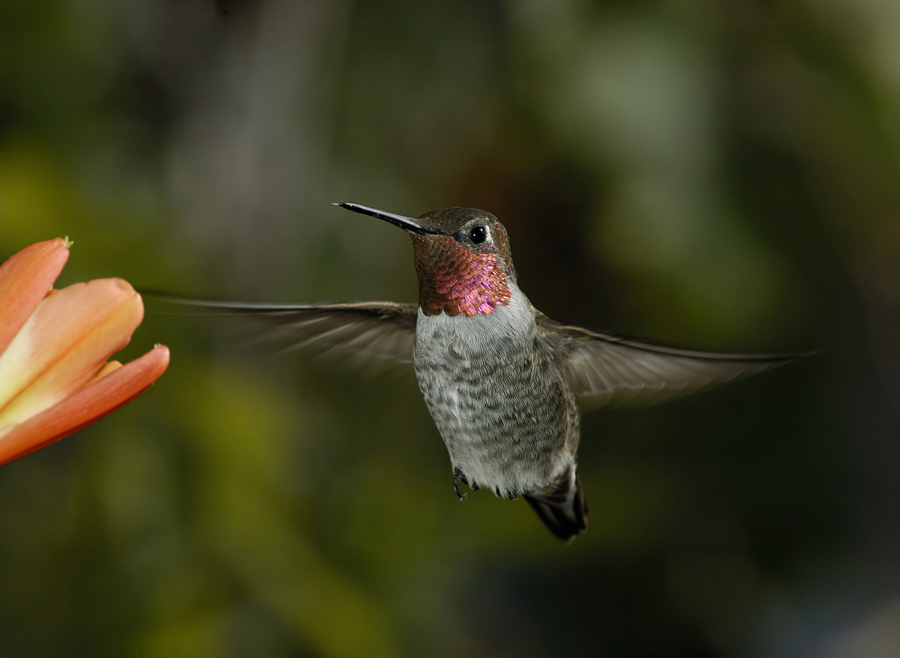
column 25, row 278
column 85, row 407
column 63, row 345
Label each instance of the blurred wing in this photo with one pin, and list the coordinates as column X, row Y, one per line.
column 605, row 370
column 368, row 332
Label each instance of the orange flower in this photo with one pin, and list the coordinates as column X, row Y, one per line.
column 54, row 346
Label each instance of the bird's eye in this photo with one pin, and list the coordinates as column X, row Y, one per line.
column 477, row 234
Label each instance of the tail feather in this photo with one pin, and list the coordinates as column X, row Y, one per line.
column 563, row 510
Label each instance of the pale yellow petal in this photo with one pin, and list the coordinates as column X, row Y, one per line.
column 98, row 399
column 64, row 344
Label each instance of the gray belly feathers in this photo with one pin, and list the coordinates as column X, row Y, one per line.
column 499, row 400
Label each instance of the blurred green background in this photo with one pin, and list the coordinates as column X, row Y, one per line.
column 721, row 175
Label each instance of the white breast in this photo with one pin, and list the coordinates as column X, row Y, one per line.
column 436, row 334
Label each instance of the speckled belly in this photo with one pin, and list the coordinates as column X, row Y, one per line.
column 502, row 408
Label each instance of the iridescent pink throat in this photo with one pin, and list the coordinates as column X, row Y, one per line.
column 455, row 280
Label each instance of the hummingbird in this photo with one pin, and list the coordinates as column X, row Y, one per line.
column 504, row 383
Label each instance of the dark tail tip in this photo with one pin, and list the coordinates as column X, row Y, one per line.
column 564, row 511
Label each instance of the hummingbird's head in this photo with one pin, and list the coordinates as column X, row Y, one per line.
column 462, row 259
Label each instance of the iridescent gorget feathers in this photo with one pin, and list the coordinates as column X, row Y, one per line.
column 454, row 279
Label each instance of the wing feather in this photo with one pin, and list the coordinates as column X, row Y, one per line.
column 367, row 332
column 605, row 370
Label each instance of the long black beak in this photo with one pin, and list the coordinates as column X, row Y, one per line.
column 405, row 223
